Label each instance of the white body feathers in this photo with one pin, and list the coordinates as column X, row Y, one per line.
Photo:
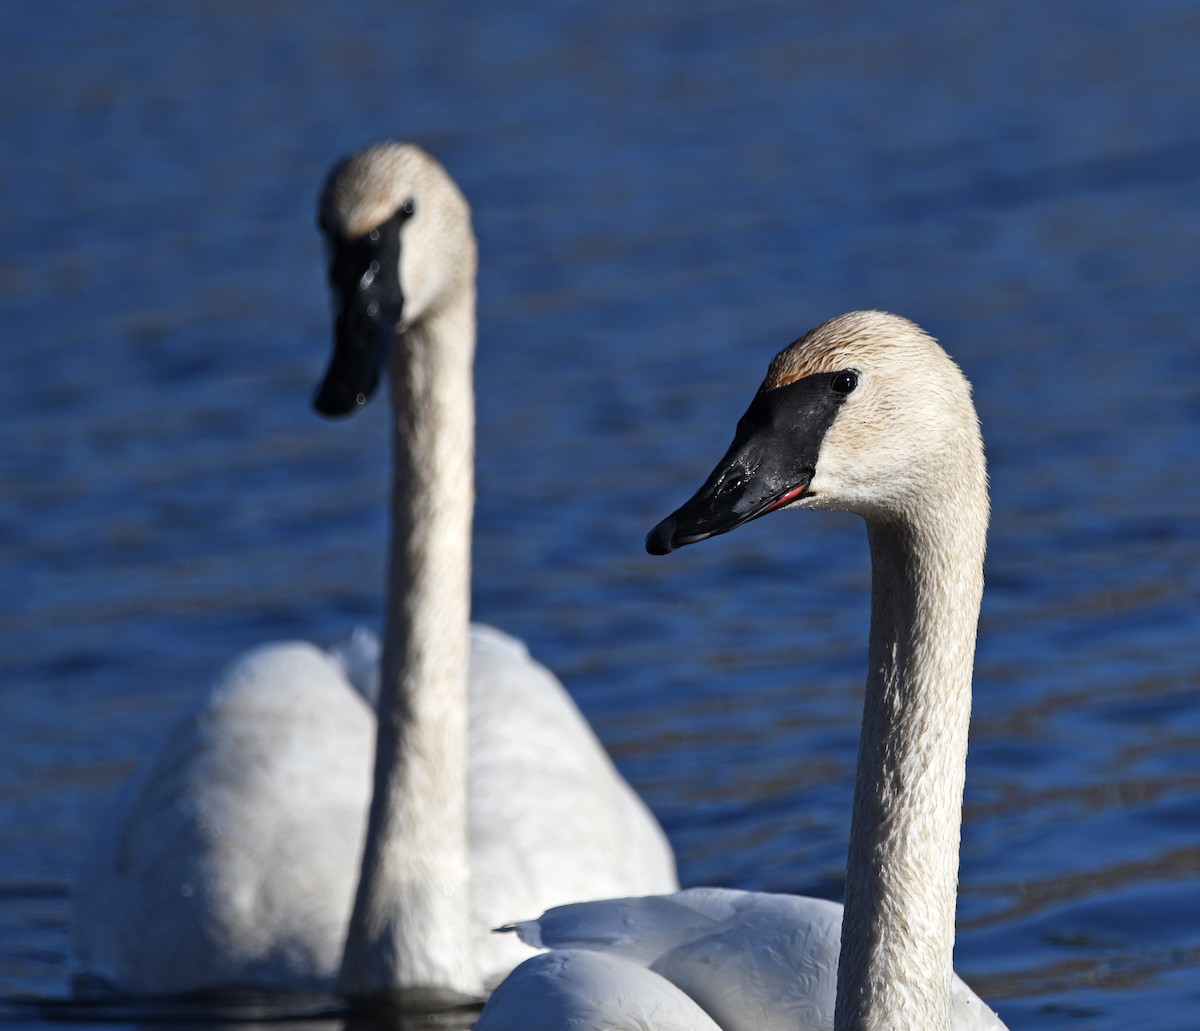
column 231, row 856
column 701, row 959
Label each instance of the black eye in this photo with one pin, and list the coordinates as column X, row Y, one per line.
column 408, row 207
column 843, row 382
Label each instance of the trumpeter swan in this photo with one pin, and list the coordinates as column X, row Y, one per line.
column 865, row 413
column 233, row 855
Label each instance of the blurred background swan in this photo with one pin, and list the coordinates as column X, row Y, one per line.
column 232, row 857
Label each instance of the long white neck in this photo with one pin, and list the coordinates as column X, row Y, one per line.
column 410, row 936
column 902, row 871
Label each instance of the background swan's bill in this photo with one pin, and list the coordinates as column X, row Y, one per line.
column 364, row 276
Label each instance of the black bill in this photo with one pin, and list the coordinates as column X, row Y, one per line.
column 364, row 275
column 770, row 464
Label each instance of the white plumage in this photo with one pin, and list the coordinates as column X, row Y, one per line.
column 705, row 958
column 231, row 856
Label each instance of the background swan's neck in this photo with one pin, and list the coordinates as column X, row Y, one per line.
column 902, row 871
column 410, row 935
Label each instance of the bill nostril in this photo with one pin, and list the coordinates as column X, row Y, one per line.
column 733, row 479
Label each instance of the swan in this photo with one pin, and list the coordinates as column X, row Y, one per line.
column 865, row 413
column 274, row 839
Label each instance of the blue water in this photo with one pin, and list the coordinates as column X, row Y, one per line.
column 664, row 196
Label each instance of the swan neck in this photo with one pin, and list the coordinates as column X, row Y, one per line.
column 896, row 960
column 410, row 932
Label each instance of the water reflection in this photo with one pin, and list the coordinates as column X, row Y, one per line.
column 248, row 1011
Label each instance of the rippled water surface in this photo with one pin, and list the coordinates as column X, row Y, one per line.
column 664, row 196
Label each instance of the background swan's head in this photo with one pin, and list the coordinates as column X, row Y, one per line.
column 400, row 245
column 865, row 413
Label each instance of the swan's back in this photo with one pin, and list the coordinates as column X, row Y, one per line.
column 584, row 990
column 749, row 961
column 552, row 821
column 752, row 961
column 231, row 856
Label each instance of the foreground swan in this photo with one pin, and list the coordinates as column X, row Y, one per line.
column 234, row 853
column 866, row 413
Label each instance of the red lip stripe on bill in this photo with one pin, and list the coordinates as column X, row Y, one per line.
column 791, row 495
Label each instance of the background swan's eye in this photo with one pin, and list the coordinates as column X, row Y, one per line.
column 843, row 382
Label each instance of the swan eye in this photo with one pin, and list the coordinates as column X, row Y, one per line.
column 408, row 207
column 843, row 382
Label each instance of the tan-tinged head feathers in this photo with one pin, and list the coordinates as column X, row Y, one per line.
column 838, row 344
column 366, row 188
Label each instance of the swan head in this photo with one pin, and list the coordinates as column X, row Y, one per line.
column 865, row 413
column 399, row 244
